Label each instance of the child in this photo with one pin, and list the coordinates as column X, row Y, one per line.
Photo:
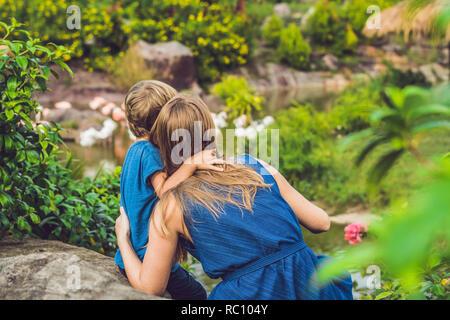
column 142, row 179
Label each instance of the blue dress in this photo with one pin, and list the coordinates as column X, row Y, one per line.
column 241, row 247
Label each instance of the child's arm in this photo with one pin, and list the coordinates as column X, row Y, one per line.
column 202, row 160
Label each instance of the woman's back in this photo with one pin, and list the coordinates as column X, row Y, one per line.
column 238, row 238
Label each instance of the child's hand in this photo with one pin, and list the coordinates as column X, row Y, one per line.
column 206, row 160
column 122, row 225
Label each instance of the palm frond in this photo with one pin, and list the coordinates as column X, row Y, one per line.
column 429, row 110
column 369, row 147
column 380, row 169
column 430, row 125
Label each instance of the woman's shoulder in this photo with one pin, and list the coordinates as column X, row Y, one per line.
column 249, row 161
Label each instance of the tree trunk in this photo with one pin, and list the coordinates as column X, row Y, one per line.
column 419, row 156
column 240, row 7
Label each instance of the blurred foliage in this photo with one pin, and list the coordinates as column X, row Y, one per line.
column 317, row 164
column 238, row 97
column 412, row 112
column 272, row 30
column 292, row 48
column 218, row 38
column 128, row 69
column 412, row 239
column 98, row 34
column 38, row 195
column 337, row 25
column 400, row 78
column 309, row 158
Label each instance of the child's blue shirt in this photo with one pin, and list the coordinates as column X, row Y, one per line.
column 137, row 195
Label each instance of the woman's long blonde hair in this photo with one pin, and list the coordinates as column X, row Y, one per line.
column 236, row 185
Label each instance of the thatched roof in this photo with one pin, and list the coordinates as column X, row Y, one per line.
column 401, row 19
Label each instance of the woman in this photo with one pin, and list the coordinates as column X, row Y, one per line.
column 242, row 224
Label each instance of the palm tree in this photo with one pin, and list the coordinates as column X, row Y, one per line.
column 411, row 112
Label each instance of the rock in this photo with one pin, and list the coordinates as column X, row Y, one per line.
column 399, row 62
column 368, row 51
column 280, row 85
column 444, row 56
column 282, row 10
column 172, row 61
column 79, row 90
column 44, row 269
column 330, row 62
column 392, row 47
column 434, row 73
column 65, row 115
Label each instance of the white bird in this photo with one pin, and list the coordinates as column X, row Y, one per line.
column 240, row 121
column 251, row 133
column 97, row 102
column 89, row 136
column 63, row 105
column 219, row 119
column 268, row 120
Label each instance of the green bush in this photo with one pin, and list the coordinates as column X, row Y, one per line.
column 292, row 49
column 325, row 26
column 352, row 107
column 355, row 12
column 272, row 30
column 97, row 36
column 38, row 195
column 306, row 152
column 337, row 25
column 239, row 98
column 311, row 159
column 218, row 37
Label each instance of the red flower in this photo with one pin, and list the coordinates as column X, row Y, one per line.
column 354, row 232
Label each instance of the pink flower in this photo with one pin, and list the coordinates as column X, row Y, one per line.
column 354, row 232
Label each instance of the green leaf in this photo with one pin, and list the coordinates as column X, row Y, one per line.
column 15, row 47
column 42, row 82
column 9, row 114
column 431, row 109
column 369, row 147
column 430, row 125
column 383, row 295
column 64, row 66
column 381, row 114
column 21, row 223
column 35, row 218
column 22, row 62
column 8, row 142
column 11, row 85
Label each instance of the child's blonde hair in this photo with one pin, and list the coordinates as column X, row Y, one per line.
column 143, row 103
